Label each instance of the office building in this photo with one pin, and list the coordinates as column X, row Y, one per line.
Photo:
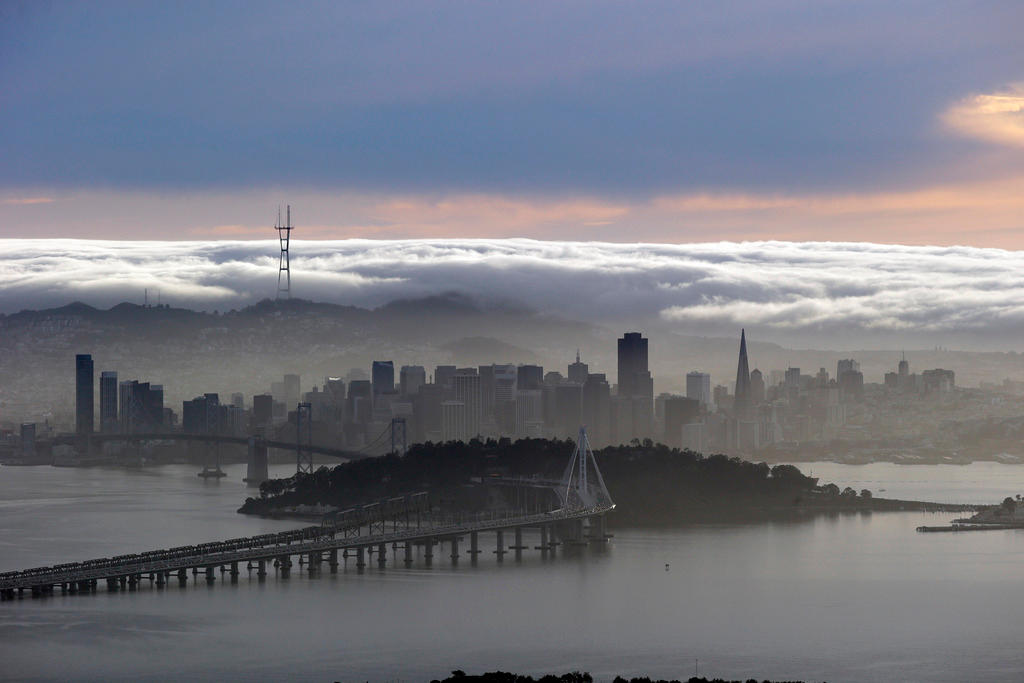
column 578, row 371
column 382, row 374
column 453, row 421
column 292, row 391
column 679, row 411
column 698, row 387
column 529, row 377
column 411, row 378
column 466, row 390
column 108, row 402
column 84, row 394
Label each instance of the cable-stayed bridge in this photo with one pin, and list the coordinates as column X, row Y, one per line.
column 579, row 502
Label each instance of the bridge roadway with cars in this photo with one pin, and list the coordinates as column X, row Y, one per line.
column 361, row 531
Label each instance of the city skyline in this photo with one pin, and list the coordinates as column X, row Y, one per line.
column 760, row 413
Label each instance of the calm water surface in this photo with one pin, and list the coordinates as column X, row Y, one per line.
column 847, row 598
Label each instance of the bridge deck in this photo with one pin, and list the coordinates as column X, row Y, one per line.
column 325, row 540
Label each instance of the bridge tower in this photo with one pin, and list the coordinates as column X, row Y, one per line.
column 284, row 235
column 398, row 437
column 304, row 439
column 582, row 485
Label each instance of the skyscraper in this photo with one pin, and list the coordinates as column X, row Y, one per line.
column 529, row 377
column 698, row 387
column 84, row 394
column 597, row 409
column 578, row 371
column 411, row 378
column 383, row 377
column 632, row 362
column 742, row 401
column 635, row 402
column 466, row 386
column 757, row 388
column 292, row 391
column 108, row 402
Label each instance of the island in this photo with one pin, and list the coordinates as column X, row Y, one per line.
column 651, row 484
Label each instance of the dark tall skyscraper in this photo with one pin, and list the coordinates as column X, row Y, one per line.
column 632, row 364
column 742, row 401
column 108, row 402
column 383, row 377
column 635, row 400
column 84, row 394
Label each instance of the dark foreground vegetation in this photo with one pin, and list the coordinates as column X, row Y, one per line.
column 574, row 677
column 650, row 483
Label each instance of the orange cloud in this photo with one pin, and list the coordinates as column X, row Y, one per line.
column 489, row 215
column 21, row 201
column 996, row 118
column 982, row 214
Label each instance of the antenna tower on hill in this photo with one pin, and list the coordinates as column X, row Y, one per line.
column 284, row 233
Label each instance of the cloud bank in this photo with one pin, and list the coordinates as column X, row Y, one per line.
column 839, row 294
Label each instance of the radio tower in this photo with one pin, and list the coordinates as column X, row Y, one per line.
column 284, row 233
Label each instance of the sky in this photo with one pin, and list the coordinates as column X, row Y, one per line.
column 653, row 121
column 704, row 164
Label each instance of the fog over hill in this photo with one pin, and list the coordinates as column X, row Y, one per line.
column 841, row 296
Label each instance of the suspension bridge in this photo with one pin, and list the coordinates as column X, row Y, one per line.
column 579, row 502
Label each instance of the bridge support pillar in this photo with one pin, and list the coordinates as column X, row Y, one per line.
column 408, row 553
column 123, row 581
column 474, row 545
column 598, row 529
column 182, row 577
column 133, row 582
column 500, row 543
column 543, row 547
column 257, row 470
column 332, row 560
column 234, row 572
column 160, row 580
column 285, row 565
column 210, row 576
column 455, row 550
column 360, row 558
column 518, row 547
column 428, row 551
column 261, row 570
column 382, row 555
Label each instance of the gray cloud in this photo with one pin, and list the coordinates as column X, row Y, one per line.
column 555, row 97
column 838, row 294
